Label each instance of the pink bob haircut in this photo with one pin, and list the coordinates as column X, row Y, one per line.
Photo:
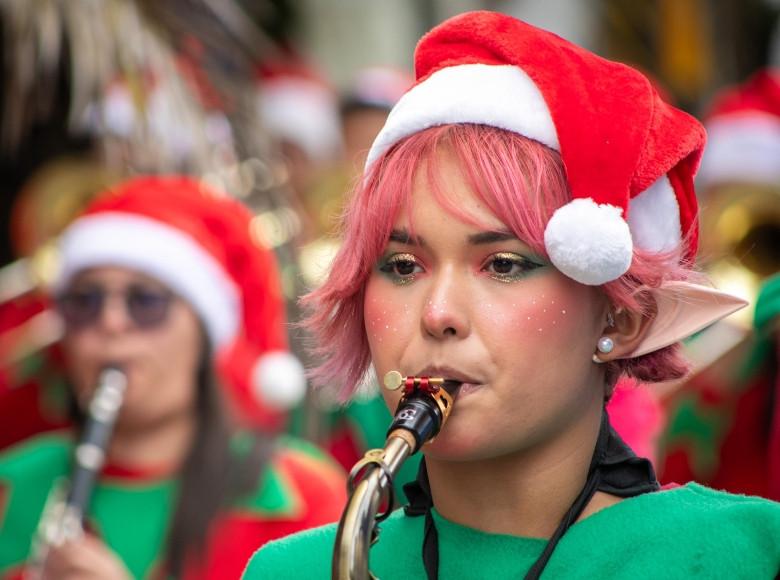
column 522, row 182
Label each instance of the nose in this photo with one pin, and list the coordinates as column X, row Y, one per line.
column 445, row 314
column 114, row 317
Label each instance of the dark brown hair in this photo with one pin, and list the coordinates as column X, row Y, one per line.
column 213, row 473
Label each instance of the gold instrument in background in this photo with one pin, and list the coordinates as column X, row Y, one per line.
column 741, row 236
column 47, row 203
column 424, row 407
column 739, row 250
column 63, row 516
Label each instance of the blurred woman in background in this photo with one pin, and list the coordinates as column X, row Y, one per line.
column 163, row 279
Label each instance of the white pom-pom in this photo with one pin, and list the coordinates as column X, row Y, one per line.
column 589, row 242
column 278, row 380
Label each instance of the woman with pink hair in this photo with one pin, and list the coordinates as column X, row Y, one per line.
column 525, row 229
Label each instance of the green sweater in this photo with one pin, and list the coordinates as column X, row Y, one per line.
column 131, row 511
column 686, row 532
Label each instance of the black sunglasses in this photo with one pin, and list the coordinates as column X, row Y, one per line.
column 146, row 307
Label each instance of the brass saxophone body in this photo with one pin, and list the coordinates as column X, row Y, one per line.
column 421, row 413
column 63, row 515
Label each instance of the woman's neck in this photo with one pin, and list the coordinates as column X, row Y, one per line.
column 523, row 494
column 158, row 447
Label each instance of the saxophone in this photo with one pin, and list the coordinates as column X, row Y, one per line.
column 63, row 515
column 424, row 407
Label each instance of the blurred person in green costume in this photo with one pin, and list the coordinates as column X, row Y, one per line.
column 162, row 278
column 723, row 421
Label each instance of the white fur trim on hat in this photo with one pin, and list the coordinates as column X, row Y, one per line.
column 742, row 147
column 160, row 251
column 470, row 93
column 279, row 380
column 304, row 113
column 654, row 217
column 589, row 242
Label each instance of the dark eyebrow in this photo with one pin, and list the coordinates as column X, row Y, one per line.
column 491, row 237
column 403, row 237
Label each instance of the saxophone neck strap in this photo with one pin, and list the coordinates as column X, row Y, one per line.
column 614, row 469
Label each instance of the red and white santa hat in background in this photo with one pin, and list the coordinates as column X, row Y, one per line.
column 199, row 243
column 378, row 87
column 743, row 128
column 629, row 157
column 296, row 105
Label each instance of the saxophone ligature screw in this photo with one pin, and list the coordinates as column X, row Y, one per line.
column 393, row 380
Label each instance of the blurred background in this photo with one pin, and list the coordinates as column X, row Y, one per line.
column 69, row 63
column 276, row 101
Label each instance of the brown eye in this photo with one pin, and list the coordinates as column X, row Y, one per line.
column 502, row 266
column 508, row 266
column 404, row 268
column 401, row 268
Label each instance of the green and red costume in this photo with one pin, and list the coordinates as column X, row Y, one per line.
column 724, row 424
column 131, row 511
column 34, row 397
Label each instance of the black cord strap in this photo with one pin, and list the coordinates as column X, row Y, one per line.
column 614, row 469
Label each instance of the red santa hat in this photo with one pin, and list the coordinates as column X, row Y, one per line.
column 744, row 133
column 630, row 158
column 200, row 244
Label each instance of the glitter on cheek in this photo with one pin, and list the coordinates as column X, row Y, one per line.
column 379, row 318
column 538, row 315
column 388, row 320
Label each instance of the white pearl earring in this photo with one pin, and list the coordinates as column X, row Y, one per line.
column 605, row 344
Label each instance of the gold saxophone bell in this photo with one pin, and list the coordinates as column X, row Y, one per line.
column 424, row 408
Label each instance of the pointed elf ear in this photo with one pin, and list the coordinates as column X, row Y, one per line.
column 684, row 309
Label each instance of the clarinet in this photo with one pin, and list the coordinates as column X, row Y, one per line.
column 63, row 515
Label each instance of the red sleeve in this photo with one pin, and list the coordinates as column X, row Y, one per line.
column 320, row 491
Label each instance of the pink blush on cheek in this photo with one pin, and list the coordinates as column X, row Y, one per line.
column 382, row 318
column 528, row 317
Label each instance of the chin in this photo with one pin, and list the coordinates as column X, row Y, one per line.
column 455, row 446
column 461, row 440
